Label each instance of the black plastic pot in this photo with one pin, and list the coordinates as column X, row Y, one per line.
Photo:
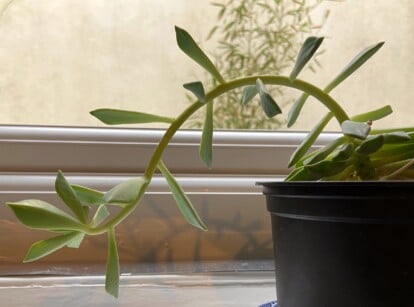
column 340, row 244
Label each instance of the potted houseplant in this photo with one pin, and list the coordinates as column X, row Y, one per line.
column 351, row 165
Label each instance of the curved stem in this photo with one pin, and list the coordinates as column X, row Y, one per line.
column 304, row 86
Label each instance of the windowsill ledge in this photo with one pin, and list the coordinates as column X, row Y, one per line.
column 198, row 289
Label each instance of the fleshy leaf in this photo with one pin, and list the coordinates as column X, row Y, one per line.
column 206, row 145
column 112, row 266
column 190, row 47
column 69, row 197
column 352, row 66
column 294, row 111
column 197, row 89
column 127, row 192
column 396, row 137
column 299, row 174
column 343, row 153
column 249, row 92
column 309, row 140
column 269, row 106
column 370, row 145
column 38, row 214
column 355, row 63
column 87, row 195
column 355, row 129
column 43, row 248
column 308, row 49
column 100, row 215
column 76, row 241
column 119, row 117
column 373, row 115
column 184, row 204
column 326, row 168
column 325, row 151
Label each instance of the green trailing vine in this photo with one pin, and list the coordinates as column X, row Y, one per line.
column 359, row 154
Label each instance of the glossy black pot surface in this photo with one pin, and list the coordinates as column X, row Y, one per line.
column 343, row 244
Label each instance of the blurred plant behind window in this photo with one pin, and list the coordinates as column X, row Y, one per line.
column 257, row 37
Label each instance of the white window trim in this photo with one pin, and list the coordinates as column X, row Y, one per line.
column 102, row 157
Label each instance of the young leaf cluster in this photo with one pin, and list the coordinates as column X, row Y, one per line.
column 360, row 153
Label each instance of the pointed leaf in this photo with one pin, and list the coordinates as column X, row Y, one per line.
column 43, row 248
column 355, row 63
column 373, row 115
column 343, row 153
column 190, row 47
column 299, row 174
column 294, row 111
column 184, row 204
column 206, row 145
column 308, row 49
column 87, row 195
column 112, row 266
column 325, row 151
column 370, row 145
column 396, row 137
column 197, row 89
column 38, row 214
column 309, row 140
column 118, row 117
column 248, row 93
column 355, row 129
column 69, row 197
column 127, row 192
column 100, row 215
column 326, row 168
column 269, row 106
column 76, row 241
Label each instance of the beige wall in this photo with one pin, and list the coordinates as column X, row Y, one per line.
column 387, row 78
column 62, row 58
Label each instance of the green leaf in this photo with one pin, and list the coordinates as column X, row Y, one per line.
column 248, row 93
column 76, row 241
column 100, row 215
column 206, row 145
column 269, row 106
column 355, row 63
column 343, row 153
column 87, row 195
column 308, row 49
column 184, row 204
column 38, row 214
column 373, row 115
column 190, row 47
column 325, row 151
column 43, row 248
column 294, row 111
column 127, row 192
column 326, row 168
column 309, row 140
column 370, row 145
column 69, row 197
column 299, row 174
column 355, row 129
column 197, row 89
column 396, row 137
column 118, row 117
column 112, row 266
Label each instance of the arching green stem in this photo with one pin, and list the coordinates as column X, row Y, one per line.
column 301, row 85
